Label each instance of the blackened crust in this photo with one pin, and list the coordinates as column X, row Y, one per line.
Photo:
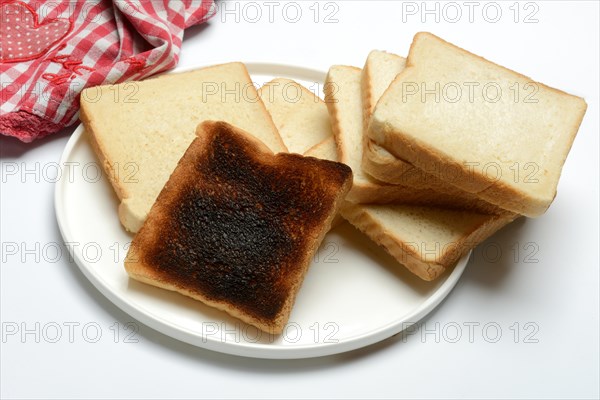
column 235, row 222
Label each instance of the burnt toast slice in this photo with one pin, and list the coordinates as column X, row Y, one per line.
column 236, row 226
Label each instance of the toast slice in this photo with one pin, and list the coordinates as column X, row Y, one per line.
column 426, row 240
column 236, row 226
column 140, row 130
column 343, row 99
column 300, row 116
column 504, row 135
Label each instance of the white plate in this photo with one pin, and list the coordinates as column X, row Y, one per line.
column 354, row 293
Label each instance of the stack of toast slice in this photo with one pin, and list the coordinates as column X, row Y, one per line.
column 403, row 117
column 504, row 136
column 422, row 236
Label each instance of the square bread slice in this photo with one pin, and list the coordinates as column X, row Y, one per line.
column 426, row 240
column 504, row 136
column 343, row 99
column 236, row 226
column 300, row 116
column 140, row 130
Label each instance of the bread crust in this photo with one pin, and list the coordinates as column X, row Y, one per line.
column 236, row 226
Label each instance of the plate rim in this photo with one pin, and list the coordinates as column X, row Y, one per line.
column 253, row 350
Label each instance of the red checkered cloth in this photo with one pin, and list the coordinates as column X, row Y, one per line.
column 51, row 51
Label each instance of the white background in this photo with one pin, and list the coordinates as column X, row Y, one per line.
column 555, row 289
